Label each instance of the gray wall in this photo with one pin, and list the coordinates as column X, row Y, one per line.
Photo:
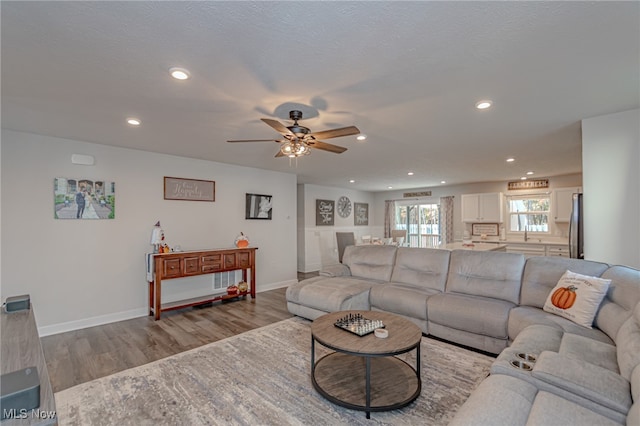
column 86, row 272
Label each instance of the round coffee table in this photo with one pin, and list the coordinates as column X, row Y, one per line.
column 363, row 372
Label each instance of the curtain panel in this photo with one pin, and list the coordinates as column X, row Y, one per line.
column 446, row 219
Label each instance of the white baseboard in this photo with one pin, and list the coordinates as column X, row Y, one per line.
column 273, row 286
column 63, row 327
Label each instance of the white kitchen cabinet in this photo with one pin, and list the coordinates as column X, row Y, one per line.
column 480, row 208
column 562, row 251
column 562, row 203
column 527, row 249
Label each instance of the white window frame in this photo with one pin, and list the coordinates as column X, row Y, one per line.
column 535, row 196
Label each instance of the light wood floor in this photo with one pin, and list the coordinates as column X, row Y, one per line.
column 83, row 355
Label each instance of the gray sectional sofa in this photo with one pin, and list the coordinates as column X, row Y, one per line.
column 493, row 301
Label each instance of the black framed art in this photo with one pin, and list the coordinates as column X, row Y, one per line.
column 258, row 206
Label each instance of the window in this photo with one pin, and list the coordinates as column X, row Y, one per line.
column 422, row 223
column 530, row 213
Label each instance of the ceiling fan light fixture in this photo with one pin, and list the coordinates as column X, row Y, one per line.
column 294, row 149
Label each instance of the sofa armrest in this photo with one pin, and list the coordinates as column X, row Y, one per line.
column 595, row 383
column 339, row 270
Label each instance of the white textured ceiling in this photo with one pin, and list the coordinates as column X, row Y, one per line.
column 406, row 73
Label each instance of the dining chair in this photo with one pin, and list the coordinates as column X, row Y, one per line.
column 366, row 239
column 344, row 239
column 399, row 235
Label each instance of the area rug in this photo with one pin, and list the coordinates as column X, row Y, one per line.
column 260, row 377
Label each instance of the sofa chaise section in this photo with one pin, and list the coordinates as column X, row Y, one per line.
column 345, row 286
column 418, row 273
column 481, row 289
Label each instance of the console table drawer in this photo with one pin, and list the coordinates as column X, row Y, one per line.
column 244, row 260
column 211, row 263
column 191, row 266
column 171, row 268
column 229, row 260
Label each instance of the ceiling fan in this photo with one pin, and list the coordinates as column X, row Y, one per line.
column 299, row 139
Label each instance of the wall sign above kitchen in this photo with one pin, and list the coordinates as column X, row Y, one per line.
column 417, row 194
column 528, row 184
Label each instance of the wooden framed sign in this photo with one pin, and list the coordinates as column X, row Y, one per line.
column 488, row 229
column 189, row 189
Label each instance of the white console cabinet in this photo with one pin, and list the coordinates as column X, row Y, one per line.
column 481, row 208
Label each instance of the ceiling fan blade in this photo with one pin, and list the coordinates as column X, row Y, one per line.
column 279, row 154
column 277, row 126
column 326, row 147
column 255, row 140
column 336, row 133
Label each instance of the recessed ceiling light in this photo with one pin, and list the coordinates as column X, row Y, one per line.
column 523, row 178
column 352, row 181
column 361, row 137
column 134, row 121
column 529, row 173
column 389, row 187
column 510, row 160
column 443, row 181
column 484, row 104
column 179, row 73
column 410, row 173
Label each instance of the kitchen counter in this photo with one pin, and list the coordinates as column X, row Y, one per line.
column 558, row 242
column 476, row 246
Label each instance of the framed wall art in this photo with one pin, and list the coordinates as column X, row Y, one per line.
column 189, row 189
column 325, row 212
column 258, row 206
column 78, row 198
column 361, row 214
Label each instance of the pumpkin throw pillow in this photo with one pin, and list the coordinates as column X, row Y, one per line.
column 577, row 297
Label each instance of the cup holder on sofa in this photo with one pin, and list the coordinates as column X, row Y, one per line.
column 521, row 364
column 527, row 357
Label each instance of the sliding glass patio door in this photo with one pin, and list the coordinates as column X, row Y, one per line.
column 421, row 221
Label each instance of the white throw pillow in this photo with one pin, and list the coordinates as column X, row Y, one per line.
column 577, row 297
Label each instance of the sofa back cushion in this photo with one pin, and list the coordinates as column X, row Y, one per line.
column 489, row 274
column 628, row 343
column 623, row 295
column 373, row 262
column 541, row 274
column 421, row 267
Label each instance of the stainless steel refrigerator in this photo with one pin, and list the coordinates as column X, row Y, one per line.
column 576, row 234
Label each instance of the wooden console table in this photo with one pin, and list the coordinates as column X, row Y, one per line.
column 190, row 263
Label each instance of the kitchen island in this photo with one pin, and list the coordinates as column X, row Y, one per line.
column 476, row 246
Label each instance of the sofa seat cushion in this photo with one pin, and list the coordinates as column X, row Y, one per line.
column 505, row 400
column 522, row 317
column 406, row 299
column 475, row 314
column 331, row 294
column 589, row 381
column 550, row 409
column 498, row 400
column 589, row 350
